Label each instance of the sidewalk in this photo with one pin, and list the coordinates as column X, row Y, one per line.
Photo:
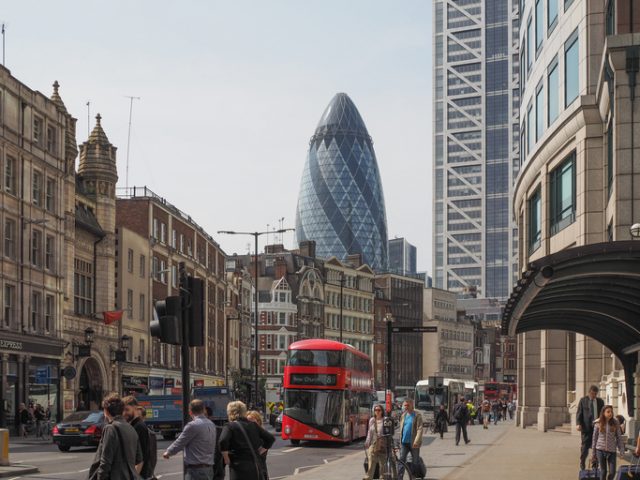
column 494, row 453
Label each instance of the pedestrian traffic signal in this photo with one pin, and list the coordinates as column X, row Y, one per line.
column 195, row 311
column 167, row 321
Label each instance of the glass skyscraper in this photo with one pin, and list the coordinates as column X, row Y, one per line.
column 476, row 147
column 341, row 204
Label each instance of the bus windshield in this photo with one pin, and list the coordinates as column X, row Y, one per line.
column 314, row 407
column 315, row 358
column 427, row 397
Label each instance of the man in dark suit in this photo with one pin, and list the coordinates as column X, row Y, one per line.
column 589, row 410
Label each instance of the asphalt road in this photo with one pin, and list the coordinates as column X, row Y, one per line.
column 283, row 460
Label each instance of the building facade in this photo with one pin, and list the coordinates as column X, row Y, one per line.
column 475, row 146
column 405, row 296
column 576, row 186
column 402, row 257
column 449, row 352
column 156, row 238
column 341, row 203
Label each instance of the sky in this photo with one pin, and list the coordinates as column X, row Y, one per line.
column 231, row 92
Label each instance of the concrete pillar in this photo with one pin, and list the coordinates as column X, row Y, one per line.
column 529, row 395
column 553, row 409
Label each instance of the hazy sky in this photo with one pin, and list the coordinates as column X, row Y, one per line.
column 232, row 91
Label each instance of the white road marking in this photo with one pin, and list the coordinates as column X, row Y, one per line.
column 291, row 449
column 168, row 475
column 84, row 470
column 297, row 470
column 325, row 460
column 45, row 459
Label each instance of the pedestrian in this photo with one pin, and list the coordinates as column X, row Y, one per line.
column 410, row 435
column 148, row 445
column 504, row 410
column 461, row 417
column 376, row 444
column 118, row 456
column 472, row 411
column 39, row 416
column 589, row 409
column 198, row 440
column 22, row 419
column 622, row 422
column 255, row 417
column 242, row 442
column 512, row 409
column 486, row 414
column 218, row 461
column 441, row 421
column 607, row 436
column 495, row 410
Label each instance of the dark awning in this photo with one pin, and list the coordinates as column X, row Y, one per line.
column 593, row 290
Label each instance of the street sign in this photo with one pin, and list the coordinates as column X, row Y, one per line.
column 42, row 375
column 414, row 329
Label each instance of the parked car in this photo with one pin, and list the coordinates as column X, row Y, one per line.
column 80, row 429
column 278, row 424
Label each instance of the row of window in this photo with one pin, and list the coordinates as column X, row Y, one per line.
column 43, row 187
column 42, row 247
column 350, row 302
column 278, row 318
column 142, row 305
column 41, row 310
column 446, row 334
column 349, row 323
column 45, row 135
column 277, row 341
column 536, row 119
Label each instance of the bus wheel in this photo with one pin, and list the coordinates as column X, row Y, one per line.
column 295, row 442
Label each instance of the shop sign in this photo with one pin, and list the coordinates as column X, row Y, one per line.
column 156, row 382
column 198, row 383
column 43, row 375
column 31, row 347
column 134, row 382
column 176, row 391
column 69, row 373
column 169, row 382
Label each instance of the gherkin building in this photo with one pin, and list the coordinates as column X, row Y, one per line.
column 341, row 204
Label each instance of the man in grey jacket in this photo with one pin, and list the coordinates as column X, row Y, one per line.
column 118, row 456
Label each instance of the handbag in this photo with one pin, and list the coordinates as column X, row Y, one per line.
column 256, row 462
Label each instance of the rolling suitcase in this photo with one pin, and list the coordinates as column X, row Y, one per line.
column 629, row 472
column 589, row 474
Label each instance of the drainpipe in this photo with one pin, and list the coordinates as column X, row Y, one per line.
column 633, row 54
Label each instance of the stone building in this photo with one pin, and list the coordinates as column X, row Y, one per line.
column 239, row 314
column 157, row 237
column 37, row 155
column 575, row 200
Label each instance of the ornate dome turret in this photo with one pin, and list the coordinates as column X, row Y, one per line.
column 98, row 156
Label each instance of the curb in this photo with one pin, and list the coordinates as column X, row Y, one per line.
column 15, row 470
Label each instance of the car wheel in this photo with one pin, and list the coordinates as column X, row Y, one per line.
column 295, row 442
column 64, row 448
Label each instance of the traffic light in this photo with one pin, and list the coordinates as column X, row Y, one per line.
column 167, row 321
column 195, row 312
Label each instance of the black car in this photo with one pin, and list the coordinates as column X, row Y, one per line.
column 80, row 429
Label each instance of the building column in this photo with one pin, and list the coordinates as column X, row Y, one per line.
column 4, row 365
column 553, row 409
column 529, row 372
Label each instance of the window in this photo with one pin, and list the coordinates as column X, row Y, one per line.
column 163, row 273
column 174, row 276
column 143, row 267
column 539, row 111
column 571, row 70
column 611, row 17
column 10, row 238
column 535, row 221
column 553, row 87
column 36, row 299
column 530, row 54
column 142, row 357
column 174, row 238
column 282, row 318
column 163, row 232
column 9, row 305
column 552, row 15
column 36, row 193
column 129, row 303
column 539, row 24
column 36, row 248
column 567, row 4
column 143, row 306
column 530, row 130
column 49, row 253
column 154, row 232
column 562, row 204
column 48, row 313
column 52, row 143
column 610, row 157
column 50, row 195
column 83, row 288
column 38, row 127
column 130, row 260
column 10, row 175
column 155, row 268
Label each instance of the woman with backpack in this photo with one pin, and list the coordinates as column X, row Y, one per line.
column 441, row 421
column 376, row 444
column 607, row 437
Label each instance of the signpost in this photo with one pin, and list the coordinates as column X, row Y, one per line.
column 414, row 329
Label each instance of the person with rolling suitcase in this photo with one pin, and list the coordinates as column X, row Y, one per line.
column 607, row 438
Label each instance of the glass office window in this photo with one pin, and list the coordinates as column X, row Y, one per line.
column 539, row 112
column 553, row 87
column 552, row 14
column 535, row 221
column 530, row 54
column 571, row 70
column 531, row 129
column 610, row 157
column 539, row 23
column 562, row 191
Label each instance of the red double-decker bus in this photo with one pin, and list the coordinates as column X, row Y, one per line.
column 328, row 392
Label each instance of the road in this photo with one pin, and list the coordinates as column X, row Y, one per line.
column 283, row 459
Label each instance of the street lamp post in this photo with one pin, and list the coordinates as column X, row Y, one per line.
column 255, row 236
column 388, row 318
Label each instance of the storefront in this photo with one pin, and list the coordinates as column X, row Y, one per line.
column 30, row 374
column 135, row 385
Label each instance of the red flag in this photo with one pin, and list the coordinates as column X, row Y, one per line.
column 110, row 317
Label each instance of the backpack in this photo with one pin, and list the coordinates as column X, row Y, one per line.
column 459, row 412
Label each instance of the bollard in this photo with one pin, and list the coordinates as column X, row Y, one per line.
column 4, row 447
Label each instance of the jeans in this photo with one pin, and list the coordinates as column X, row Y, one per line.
column 606, row 461
column 461, row 427
column 199, row 473
column 404, row 451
